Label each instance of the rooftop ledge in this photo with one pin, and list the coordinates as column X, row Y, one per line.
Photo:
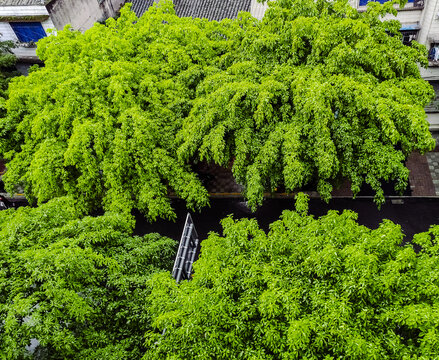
column 26, row 54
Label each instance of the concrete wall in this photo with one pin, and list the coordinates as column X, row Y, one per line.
column 430, row 73
column 48, row 25
column 82, row 14
column 17, row 11
column 257, row 9
column 6, row 32
column 411, row 16
column 430, row 24
column 433, row 120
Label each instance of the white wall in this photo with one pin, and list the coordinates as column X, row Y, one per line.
column 431, row 73
column 81, row 14
column 48, row 24
column 23, row 10
column 6, row 32
column 257, row 10
column 433, row 120
column 407, row 16
column 429, row 24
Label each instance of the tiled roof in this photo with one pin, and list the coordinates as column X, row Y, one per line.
column 210, row 9
column 140, row 6
column 21, row 2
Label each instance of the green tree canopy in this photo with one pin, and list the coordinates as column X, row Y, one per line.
column 76, row 284
column 323, row 288
column 7, row 71
column 99, row 120
column 314, row 93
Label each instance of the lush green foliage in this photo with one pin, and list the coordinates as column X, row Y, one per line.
column 7, row 71
column 314, row 93
column 7, row 62
column 76, row 284
column 323, row 288
column 311, row 288
column 99, row 120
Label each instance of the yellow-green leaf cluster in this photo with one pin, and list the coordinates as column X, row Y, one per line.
column 313, row 94
column 310, row 288
column 75, row 284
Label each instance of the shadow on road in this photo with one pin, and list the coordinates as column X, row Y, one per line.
column 414, row 214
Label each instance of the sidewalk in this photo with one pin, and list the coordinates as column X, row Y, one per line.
column 433, row 164
column 421, row 174
column 424, row 172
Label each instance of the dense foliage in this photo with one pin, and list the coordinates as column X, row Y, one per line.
column 7, row 71
column 7, row 63
column 323, row 288
column 76, row 284
column 314, row 93
column 99, row 120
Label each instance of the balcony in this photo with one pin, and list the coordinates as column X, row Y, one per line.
column 26, row 54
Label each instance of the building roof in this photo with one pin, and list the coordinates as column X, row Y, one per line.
column 209, row 9
column 140, row 6
column 21, row 2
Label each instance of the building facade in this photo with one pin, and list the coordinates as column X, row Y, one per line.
column 24, row 22
column 81, row 14
column 420, row 21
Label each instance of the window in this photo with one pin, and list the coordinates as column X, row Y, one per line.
column 28, row 31
column 433, row 54
column 408, row 36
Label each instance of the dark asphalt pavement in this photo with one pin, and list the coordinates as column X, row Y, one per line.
column 414, row 215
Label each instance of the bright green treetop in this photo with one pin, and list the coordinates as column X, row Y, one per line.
column 314, row 93
column 76, row 284
column 311, row 288
column 99, row 120
column 323, row 288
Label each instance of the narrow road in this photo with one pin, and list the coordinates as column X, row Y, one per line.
column 414, row 214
